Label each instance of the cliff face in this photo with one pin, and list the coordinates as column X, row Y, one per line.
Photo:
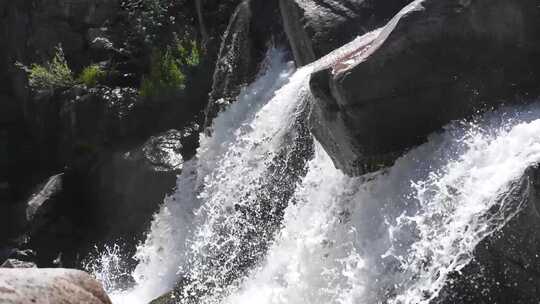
column 105, row 141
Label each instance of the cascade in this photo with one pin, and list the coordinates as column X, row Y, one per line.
column 261, row 215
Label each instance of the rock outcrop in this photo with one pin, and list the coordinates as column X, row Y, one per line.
column 112, row 147
column 434, row 62
column 252, row 29
column 506, row 267
column 45, row 286
column 111, row 198
column 12, row 263
column 317, row 27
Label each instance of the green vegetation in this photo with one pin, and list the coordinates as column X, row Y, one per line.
column 91, row 75
column 53, row 74
column 168, row 69
column 187, row 52
column 56, row 73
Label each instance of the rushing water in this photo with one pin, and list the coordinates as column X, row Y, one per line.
column 243, row 227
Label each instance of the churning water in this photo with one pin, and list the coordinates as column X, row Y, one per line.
column 261, row 215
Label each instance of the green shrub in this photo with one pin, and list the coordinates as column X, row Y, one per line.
column 53, row 74
column 187, row 52
column 165, row 76
column 92, row 75
column 168, row 69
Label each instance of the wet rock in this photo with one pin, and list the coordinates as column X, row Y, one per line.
column 12, row 263
column 163, row 152
column 44, row 286
column 168, row 298
column 427, row 67
column 251, row 30
column 317, row 27
column 506, row 267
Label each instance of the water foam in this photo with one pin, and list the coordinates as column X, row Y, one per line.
column 395, row 238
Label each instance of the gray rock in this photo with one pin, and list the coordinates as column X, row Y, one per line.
column 506, row 268
column 163, row 152
column 45, row 286
column 251, row 30
column 52, row 187
column 13, row 263
column 127, row 187
column 317, row 27
column 433, row 63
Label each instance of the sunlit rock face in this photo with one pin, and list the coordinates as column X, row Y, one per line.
column 317, row 27
column 32, row 285
column 434, row 62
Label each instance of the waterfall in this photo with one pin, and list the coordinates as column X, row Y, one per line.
column 261, row 215
column 396, row 236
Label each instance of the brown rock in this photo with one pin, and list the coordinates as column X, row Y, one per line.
column 45, row 286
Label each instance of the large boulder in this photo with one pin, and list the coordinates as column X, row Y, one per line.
column 506, row 266
column 126, row 188
column 434, row 62
column 317, row 27
column 108, row 199
column 44, row 286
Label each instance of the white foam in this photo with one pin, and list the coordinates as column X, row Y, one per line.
column 397, row 237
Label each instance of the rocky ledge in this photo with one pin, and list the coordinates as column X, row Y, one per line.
column 434, row 62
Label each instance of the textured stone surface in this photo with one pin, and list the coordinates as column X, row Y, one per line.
column 12, row 263
column 317, row 27
column 252, row 29
column 46, row 286
column 442, row 60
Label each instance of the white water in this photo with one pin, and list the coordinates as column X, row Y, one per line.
column 353, row 241
column 392, row 238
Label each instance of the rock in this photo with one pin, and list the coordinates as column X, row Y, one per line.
column 51, row 188
column 168, row 298
column 163, row 152
column 112, row 200
column 10, row 110
column 317, row 27
column 506, row 267
column 428, row 66
column 12, row 263
column 126, row 188
column 14, row 254
column 251, row 30
column 100, row 43
column 44, row 286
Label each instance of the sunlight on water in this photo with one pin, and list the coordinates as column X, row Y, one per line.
column 230, row 235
